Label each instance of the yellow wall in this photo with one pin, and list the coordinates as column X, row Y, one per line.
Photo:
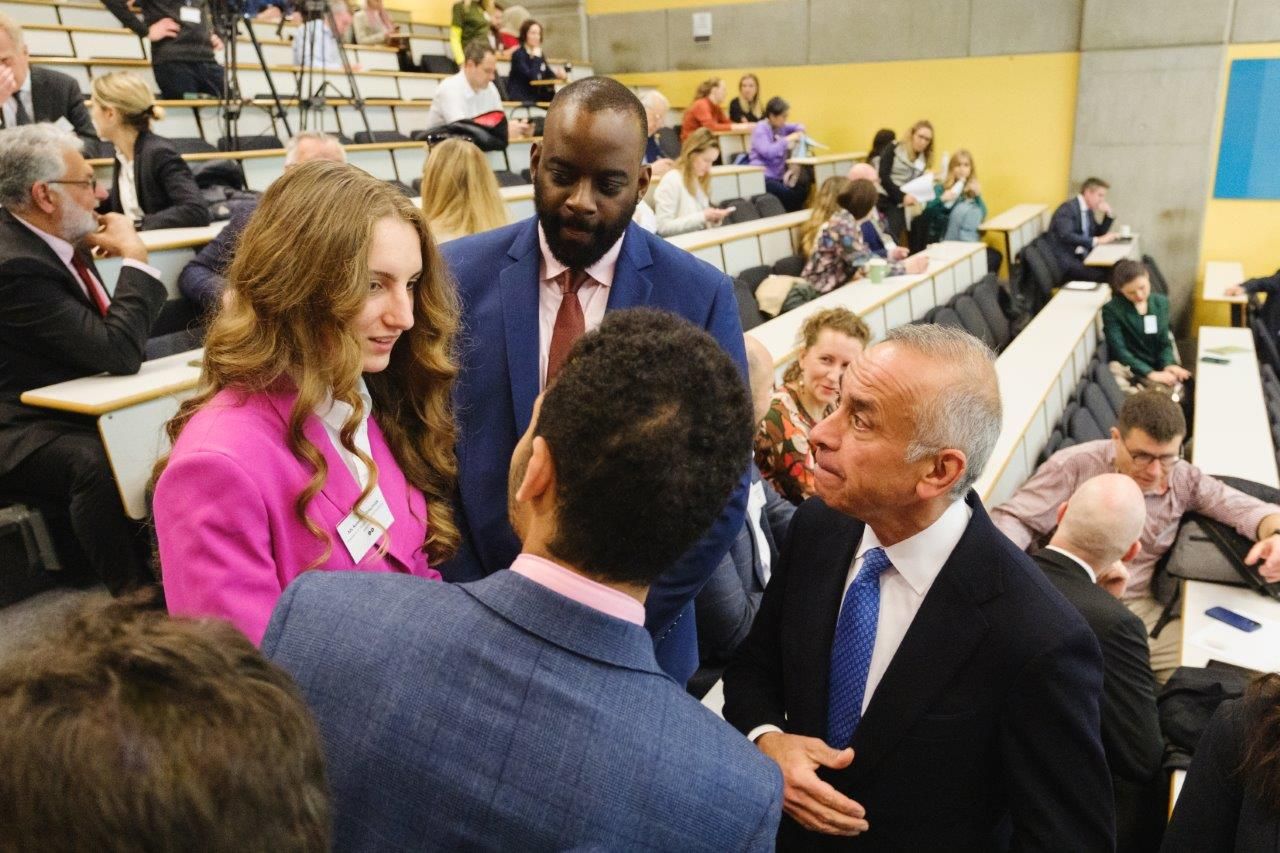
column 601, row 7
column 424, row 11
column 1236, row 229
column 982, row 104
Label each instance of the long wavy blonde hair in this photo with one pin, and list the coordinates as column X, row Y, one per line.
column 298, row 282
column 824, row 207
column 700, row 140
column 459, row 190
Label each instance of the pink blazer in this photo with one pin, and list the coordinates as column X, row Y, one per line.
column 230, row 541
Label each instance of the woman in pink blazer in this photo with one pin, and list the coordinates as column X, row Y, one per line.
column 321, row 436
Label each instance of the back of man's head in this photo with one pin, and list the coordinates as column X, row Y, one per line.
column 1103, row 520
column 649, row 426
column 863, row 172
column 307, row 145
column 129, row 731
column 1153, row 412
column 760, row 371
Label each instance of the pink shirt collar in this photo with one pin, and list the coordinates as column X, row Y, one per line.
column 581, row 589
column 601, row 271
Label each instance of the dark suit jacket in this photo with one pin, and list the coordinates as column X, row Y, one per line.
column 50, row 332
column 54, row 95
column 497, row 276
column 1216, row 811
column 987, row 714
column 728, row 603
column 204, row 277
column 499, row 715
column 167, row 191
column 1067, row 232
column 1130, row 721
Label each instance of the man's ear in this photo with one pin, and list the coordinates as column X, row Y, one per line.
column 1062, row 510
column 642, row 184
column 539, row 475
column 1132, row 552
column 947, row 469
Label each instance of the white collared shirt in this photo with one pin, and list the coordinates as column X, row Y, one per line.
column 756, row 503
column 128, row 189
column 10, row 107
column 65, row 251
column 1084, row 218
column 594, row 295
column 916, row 563
column 333, row 414
column 1093, row 577
column 455, row 100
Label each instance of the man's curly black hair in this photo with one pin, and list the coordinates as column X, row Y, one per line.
column 649, row 423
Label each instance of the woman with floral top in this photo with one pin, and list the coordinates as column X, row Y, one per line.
column 832, row 338
column 839, row 252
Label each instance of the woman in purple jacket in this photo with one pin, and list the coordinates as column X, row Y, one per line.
column 772, row 142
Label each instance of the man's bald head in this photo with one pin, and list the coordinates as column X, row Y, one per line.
column 864, row 172
column 599, row 94
column 1102, row 521
column 759, row 375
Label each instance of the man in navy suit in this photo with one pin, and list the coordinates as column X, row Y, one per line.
column 526, row 711
column 911, row 670
column 1075, row 230
column 517, row 325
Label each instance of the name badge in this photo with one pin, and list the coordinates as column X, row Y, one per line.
column 360, row 534
column 1150, row 324
column 190, row 14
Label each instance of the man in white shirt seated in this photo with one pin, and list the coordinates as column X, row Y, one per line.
column 316, row 45
column 471, row 92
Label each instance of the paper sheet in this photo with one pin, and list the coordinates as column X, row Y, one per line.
column 921, row 187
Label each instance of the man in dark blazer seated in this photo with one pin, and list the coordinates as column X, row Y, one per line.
column 918, row 680
column 1075, row 230
column 1098, row 531
column 517, row 325
column 57, row 322
column 526, row 711
column 29, row 95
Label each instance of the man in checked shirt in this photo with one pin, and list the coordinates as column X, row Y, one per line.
column 1145, row 444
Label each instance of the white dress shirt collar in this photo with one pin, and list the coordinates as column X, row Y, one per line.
column 333, row 415
column 601, row 271
column 1088, row 570
column 920, row 558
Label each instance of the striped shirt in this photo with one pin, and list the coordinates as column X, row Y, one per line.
column 1030, row 516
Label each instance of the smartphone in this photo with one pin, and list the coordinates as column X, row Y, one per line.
column 1213, row 359
column 1235, row 620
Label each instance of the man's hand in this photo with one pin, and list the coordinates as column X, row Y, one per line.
column 165, row 28
column 898, row 253
column 909, row 200
column 117, row 238
column 1114, row 579
column 1104, row 239
column 1268, row 551
column 215, row 41
column 1105, row 209
column 1164, row 377
column 1179, row 372
column 8, row 84
column 811, row 802
column 916, row 264
column 520, row 127
column 1234, row 290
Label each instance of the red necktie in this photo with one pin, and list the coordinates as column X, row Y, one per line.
column 95, row 289
column 570, row 324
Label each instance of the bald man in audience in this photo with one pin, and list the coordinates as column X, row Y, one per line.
column 655, row 110
column 203, row 279
column 1098, row 530
column 875, row 231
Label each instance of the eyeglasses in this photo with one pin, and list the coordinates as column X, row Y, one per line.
column 91, row 183
column 1142, row 459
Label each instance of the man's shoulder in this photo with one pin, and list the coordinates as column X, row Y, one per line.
column 1101, row 609
column 1085, row 456
column 675, row 267
column 51, row 79
column 484, row 254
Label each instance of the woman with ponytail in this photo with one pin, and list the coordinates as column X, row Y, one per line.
column 320, row 437
column 831, row 339
column 151, row 183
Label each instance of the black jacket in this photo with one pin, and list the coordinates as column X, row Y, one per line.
column 191, row 44
column 167, row 191
column 55, row 95
column 986, row 721
column 1130, row 720
column 1066, row 232
column 50, row 332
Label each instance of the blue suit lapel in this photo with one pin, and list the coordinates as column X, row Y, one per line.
column 518, row 286
column 631, row 287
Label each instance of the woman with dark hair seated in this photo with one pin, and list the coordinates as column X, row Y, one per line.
column 1136, row 325
column 528, row 64
column 1231, row 799
column 772, row 142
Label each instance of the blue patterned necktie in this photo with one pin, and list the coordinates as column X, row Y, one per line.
column 851, row 650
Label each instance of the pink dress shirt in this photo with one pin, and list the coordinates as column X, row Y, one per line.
column 594, row 296
column 230, row 540
column 576, row 587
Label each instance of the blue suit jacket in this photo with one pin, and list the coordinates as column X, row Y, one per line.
column 497, row 276
column 499, row 715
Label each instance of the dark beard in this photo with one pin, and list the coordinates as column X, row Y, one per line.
column 574, row 256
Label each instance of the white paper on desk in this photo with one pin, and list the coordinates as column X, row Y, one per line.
column 1259, row 650
column 1081, row 285
column 921, row 187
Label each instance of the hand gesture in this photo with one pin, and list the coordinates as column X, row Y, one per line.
column 897, row 253
column 1234, row 290
column 1179, row 372
column 811, row 802
column 117, row 238
column 165, row 28
column 8, row 83
column 520, row 127
column 916, row 264
column 215, row 41
column 715, row 215
column 909, row 200
column 1268, row 551
column 1104, row 239
column 1164, row 377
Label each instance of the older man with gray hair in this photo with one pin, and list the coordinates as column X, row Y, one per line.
column 910, row 670
column 655, row 111
column 203, row 280
column 58, row 322
column 1098, row 530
